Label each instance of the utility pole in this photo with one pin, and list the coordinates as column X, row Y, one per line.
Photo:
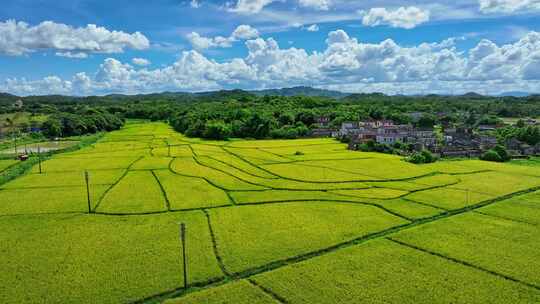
column 87, row 179
column 183, row 241
column 39, row 158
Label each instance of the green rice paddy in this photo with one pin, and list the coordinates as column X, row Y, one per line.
column 266, row 224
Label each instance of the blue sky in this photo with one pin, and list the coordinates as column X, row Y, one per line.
column 488, row 46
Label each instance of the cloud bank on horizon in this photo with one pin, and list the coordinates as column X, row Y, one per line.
column 432, row 47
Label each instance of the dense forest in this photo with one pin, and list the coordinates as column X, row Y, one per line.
column 224, row 114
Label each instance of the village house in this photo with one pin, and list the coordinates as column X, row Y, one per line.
column 18, row 104
column 323, row 122
column 323, row 127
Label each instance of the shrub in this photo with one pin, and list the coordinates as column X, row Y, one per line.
column 491, row 155
column 423, row 157
column 416, row 158
column 501, row 150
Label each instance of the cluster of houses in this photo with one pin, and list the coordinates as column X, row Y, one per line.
column 450, row 142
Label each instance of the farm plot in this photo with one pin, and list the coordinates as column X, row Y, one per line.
column 189, row 167
column 276, row 182
column 475, row 188
column 81, row 164
column 65, row 179
column 506, row 247
column 525, row 208
column 103, row 259
column 417, row 184
column 239, row 292
column 246, row 237
column 137, row 192
column 358, row 169
column 385, row 272
column 6, row 163
column 190, row 192
column 48, row 200
column 152, row 163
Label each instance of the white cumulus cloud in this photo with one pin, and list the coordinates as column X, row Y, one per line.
column 250, row 6
column 322, row 5
column 312, row 28
column 346, row 64
column 18, row 38
column 242, row 32
column 403, row 17
column 141, row 61
column 508, row 6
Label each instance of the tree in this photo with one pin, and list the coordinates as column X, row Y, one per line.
column 217, row 130
column 501, row 151
column 427, row 121
column 52, row 127
column 491, row 155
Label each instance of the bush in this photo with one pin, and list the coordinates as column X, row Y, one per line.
column 416, row 158
column 428, row 157
column 423, row 157
column 501, row 150
column 491, row 155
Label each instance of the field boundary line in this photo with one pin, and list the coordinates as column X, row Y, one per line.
column 268, row 291
column 464, row 263
column 215, row 246
column 240, row 169
column 163, row 192
column 211, row 183
column 354, row 242
column 102, row 197
column 505, row 218
column 424, row 204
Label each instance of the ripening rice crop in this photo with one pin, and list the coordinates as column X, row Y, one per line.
column 100, row 259
column 385, row 272
column 248, row 236
column 448, row 197
column 189, row 167
column 268, row 196
column 503, row 246
column 48, row 200
column 525, row 208
column 407, row 209
column 281, row 143
column 257, row 156
column 427, row 182
column 238, row 292
column 190, row 192
column 81, row 164
column 364, row 169
column 291, row 151
column 206, row 150
column 173, row 151
column 305, row 172
column 378, row 193
column 137, row 192
column 65, row 179
column 235, row 162
column 152, row 163
column 6, row 163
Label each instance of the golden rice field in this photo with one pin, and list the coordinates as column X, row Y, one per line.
column 266, row 224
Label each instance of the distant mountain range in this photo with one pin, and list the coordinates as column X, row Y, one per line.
column 238, row 94
column 300, row 91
